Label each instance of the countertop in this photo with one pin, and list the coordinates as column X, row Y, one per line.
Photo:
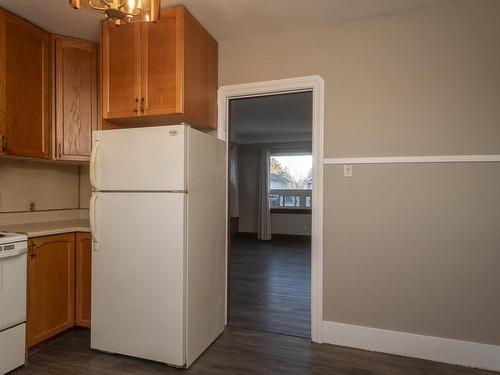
column 49, row 228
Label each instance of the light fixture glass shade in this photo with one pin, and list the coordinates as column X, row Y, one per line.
column 121, row 11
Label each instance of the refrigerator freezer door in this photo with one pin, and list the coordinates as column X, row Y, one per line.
column 138, row 275
column 139, row 159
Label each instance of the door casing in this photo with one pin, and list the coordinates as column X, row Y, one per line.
column 314, row 84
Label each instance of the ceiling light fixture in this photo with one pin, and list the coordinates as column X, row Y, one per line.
column 122, row 10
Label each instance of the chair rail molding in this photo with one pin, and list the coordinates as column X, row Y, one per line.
column 414, row 159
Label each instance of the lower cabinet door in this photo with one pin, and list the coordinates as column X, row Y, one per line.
column 83, row 279
column 51, row 286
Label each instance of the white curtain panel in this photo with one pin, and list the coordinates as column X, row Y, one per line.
column 233, row 182
column 264, row 225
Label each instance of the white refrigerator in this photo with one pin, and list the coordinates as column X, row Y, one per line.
column 157, row 216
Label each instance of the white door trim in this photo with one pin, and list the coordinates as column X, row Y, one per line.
column 315, row 84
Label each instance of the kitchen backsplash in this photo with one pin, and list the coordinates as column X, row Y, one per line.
column 41, row 191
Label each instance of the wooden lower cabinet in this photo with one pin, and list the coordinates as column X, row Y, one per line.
column 83, row 277
column 51, row 286
column 59, row 278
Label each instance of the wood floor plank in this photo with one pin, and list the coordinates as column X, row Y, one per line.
column 237, row 351
column 270, row 286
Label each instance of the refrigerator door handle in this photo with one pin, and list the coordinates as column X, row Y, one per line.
column 92, row 220
column 93, row 158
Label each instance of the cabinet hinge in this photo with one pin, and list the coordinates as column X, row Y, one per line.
column 31, row 249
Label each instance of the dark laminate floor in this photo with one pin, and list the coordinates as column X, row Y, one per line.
column 237, row 351
column 270, row 286
column 245, row 351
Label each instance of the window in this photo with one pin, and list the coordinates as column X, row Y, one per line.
column 290, row 180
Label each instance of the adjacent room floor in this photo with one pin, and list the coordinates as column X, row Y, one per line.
column 237, row 351
column 270, row 286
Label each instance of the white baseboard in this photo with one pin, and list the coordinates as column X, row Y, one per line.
column 437, row 349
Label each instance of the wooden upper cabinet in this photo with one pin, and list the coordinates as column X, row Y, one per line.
column 51, row 287
column 200, row 80
column 75, row 98
column 25, row 87
column 170, row 66
column 120, row 70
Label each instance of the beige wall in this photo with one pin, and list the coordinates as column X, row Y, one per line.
column 51, row 185
column 412, row 248
column 415, row 249
column 248, row 166
column 423, row 83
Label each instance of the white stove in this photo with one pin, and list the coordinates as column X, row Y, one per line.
column 13, row 265
column 6, row 237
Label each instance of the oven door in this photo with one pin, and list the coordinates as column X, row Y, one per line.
column 13, row 285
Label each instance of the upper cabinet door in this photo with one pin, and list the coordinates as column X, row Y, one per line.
column 75, row 98
column 120, row 70
column 161, row 65
column 27, row 91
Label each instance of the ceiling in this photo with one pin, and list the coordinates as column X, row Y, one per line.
column 274, row 118
column 230, row 19
column 225, row 19
column 56, row 16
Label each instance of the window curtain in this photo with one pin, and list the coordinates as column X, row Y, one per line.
column 264, row 224
column 233, row 182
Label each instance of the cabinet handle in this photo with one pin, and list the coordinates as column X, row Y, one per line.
column 142, row 105
column 31, row 249
column 136, row 100
column 59, row 151
column 4, row 143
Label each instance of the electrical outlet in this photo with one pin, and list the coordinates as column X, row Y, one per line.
column 347, row 170
column 32, row 206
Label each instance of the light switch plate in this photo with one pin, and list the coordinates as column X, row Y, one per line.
column 347, row 170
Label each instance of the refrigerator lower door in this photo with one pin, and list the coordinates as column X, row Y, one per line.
column 138, row 275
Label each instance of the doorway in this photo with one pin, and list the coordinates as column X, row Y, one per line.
column 259, row 270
